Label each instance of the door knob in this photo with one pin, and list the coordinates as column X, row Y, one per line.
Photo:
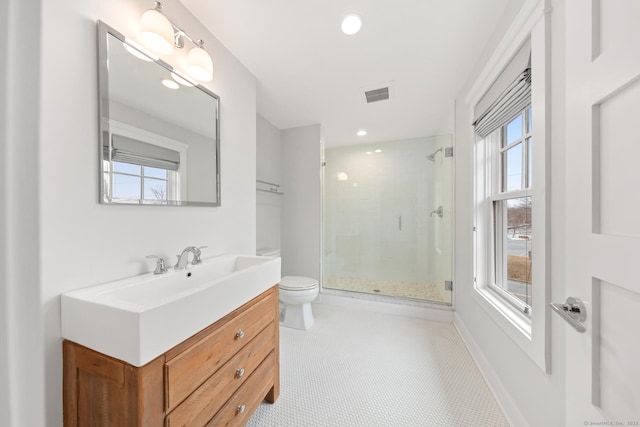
column 573, row 312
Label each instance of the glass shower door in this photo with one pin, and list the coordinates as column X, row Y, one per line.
column 387, row 219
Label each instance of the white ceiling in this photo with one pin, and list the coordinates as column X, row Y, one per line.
column 309, row 72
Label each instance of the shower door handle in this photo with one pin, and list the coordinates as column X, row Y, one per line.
column 400, row 223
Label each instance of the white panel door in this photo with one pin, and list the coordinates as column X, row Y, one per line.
column 603, row 210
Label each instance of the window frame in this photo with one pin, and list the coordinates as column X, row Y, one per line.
column 179, row 184
column 499, row 195
column 171, row 181
column 532, row 334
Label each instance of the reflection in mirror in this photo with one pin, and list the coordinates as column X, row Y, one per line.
column 159, row 131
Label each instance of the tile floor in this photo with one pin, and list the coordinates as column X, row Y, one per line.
column 359, row 368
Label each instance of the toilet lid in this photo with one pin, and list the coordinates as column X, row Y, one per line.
column 297, row 283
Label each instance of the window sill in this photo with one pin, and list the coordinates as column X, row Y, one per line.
column 517, row 326
column 516, row 319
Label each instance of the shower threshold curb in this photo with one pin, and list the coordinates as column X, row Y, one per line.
column 419, row 310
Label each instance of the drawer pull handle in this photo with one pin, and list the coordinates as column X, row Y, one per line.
column 240, row 334
column 240, row 409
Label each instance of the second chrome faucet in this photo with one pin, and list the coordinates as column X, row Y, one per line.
column 183, row 258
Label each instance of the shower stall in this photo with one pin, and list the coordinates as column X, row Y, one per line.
column 387, row 219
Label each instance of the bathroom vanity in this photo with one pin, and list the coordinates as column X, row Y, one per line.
column 216, row 377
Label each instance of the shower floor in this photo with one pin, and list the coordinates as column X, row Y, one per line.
column 394, row 288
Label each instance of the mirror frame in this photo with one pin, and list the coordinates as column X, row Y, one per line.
column 104, row 31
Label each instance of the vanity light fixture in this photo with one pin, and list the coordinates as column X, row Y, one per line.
column 361, row 132
column 199, row 64
column 162, row 36
column 351, row 24
column 156, row 30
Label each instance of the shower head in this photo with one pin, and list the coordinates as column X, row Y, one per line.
column 432, row 156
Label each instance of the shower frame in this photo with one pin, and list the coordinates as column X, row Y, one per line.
column 447, row 151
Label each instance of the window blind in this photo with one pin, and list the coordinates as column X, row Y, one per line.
column 129, row 150
column 508, row 95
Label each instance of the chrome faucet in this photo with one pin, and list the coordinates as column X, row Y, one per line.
column 183, row 258
column 160, row 266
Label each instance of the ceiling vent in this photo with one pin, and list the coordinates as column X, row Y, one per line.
column 376, row 95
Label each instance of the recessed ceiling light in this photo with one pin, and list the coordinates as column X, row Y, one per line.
column 361, row 132
column 170, row 84
column 369, row 153
column 351, row 24
column 378, row 151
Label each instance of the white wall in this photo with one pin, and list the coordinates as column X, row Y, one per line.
column 301, row 211
column 21, row 357
column 268, row 168
column 56, row 237
column 524, row 390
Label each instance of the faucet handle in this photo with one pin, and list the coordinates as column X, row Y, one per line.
column 196, row 254
column 161, row 268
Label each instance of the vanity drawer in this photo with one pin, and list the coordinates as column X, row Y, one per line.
column 203, row 403
column 238, row 409
column 190, row 368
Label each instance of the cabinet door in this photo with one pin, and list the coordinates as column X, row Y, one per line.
column 102, row 391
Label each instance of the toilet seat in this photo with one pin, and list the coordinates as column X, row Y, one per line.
column 297, row 283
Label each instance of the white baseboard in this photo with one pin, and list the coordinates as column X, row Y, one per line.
column 500, row 393
column 435, row 314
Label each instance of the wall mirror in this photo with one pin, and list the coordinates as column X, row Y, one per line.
column 159, row 131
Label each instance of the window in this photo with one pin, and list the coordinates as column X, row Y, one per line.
column 504, row 129
column 511, row 210
column 134, row 183
column 140, row 169
column 511, row 205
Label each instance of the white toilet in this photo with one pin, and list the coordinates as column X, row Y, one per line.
column 296, row 293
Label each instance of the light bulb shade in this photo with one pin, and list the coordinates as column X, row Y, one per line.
column 199, row 64
column 156, row 31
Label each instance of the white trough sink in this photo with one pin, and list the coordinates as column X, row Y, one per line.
column 139, row 318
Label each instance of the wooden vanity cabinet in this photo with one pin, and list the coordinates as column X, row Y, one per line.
column 217, row 377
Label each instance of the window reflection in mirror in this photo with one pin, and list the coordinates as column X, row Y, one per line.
column 159, row 131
